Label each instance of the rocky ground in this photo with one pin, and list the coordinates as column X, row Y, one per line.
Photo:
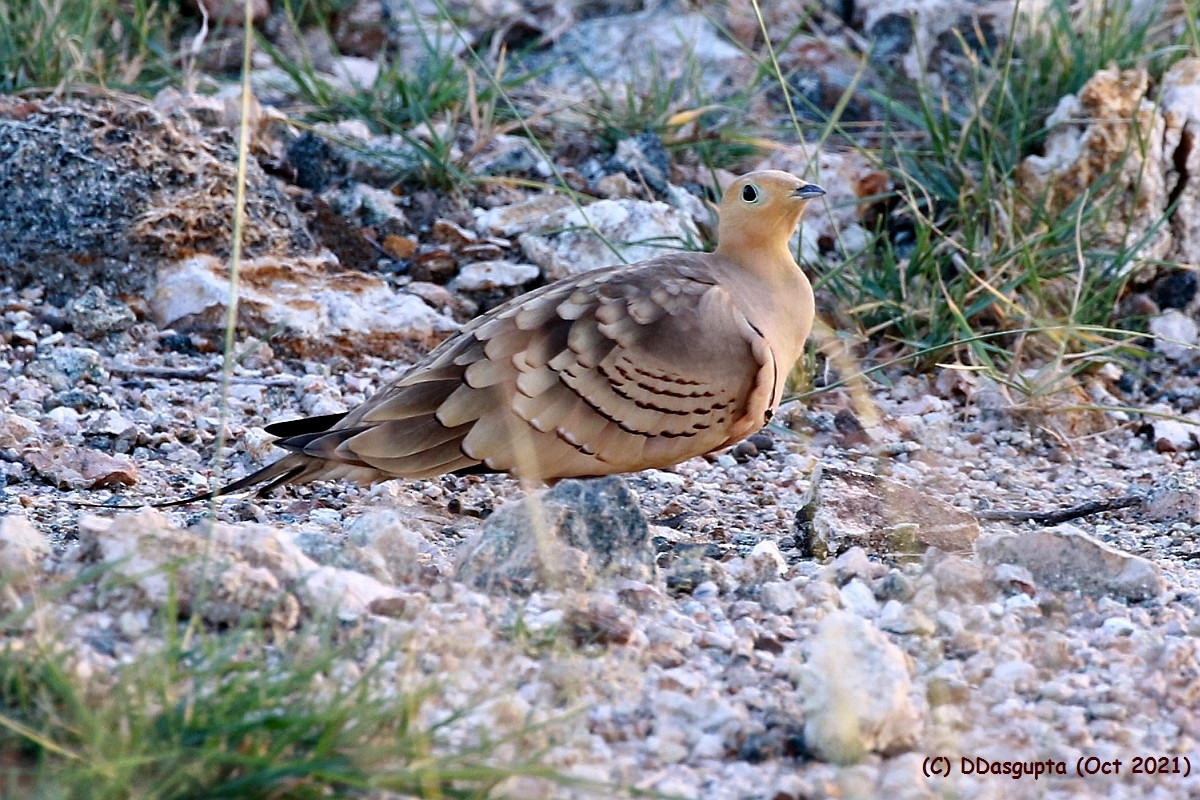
column 833, row 608
column 703, row 648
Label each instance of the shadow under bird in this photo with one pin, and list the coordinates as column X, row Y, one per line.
column 616, row 370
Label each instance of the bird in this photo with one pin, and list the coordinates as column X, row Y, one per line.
column 615, row 370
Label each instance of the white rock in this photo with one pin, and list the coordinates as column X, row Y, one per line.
column 858, row 598
column 854, row 563
column 112, row 423
column 1067, row 559
column 1171, row 431
column 1175, row 335
column 344, row 592
column 486, row 276
column 856, row 689
column 528, row 215
column 606, row 232
column 779, row 597
column 359, row 73
column 766, row 561
column 22, row 548
column 709, row 745
column 311, row 301
column 65, row 419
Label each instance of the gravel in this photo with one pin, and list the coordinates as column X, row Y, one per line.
column 729, row 663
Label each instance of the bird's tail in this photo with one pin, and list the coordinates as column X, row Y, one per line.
column 291, row 468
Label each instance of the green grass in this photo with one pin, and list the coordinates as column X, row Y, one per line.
column 960, row 253
column 70, row 44
column 437, row 94
column 238, row 714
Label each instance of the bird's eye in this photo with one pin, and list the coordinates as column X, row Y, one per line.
column 750, row 193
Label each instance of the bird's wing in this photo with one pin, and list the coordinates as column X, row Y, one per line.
column 619, row 370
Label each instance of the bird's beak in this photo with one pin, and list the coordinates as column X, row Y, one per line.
column 808, row 191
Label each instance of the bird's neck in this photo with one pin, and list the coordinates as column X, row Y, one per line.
column 768, row 271
column 767, row 258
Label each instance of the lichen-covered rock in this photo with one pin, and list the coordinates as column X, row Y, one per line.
column 131, row 186
column 592, row 57
column 1133, row 153
column 94, row 314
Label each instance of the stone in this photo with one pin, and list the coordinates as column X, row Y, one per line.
column 22, row 550
column 593, row 56
column 567, row 536
column 401, row 539
column 606, row 232
column 16, row 430
column 765, row 563
column 69, row 466
column 1175, row 498
column 66, row 368
column 520, row 217
column 147, row 561
column 358, row 73
column 488, row 276
column 93, row 314
column 1115, row 126
column 1171, row 431
column 322, row 310
column 1175, row 335
column 1066, row 558
column 1179, row 102
column 510, row 155
column 334, row 591
column 779, row 597
column 645, row 160
column 1110, row 125
column 856, row 692
column 847, row 508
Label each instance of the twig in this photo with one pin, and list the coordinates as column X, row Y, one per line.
column 194, row 374
column 1064, row 514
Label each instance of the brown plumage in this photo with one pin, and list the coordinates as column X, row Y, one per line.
column 616, row 370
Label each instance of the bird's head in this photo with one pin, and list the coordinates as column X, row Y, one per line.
column 760, row 211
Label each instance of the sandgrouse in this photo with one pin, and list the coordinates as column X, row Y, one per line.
column 620, row 369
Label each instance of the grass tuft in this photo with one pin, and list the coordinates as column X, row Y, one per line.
column 959, row 253
column 232, row 715
column 67, row 44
